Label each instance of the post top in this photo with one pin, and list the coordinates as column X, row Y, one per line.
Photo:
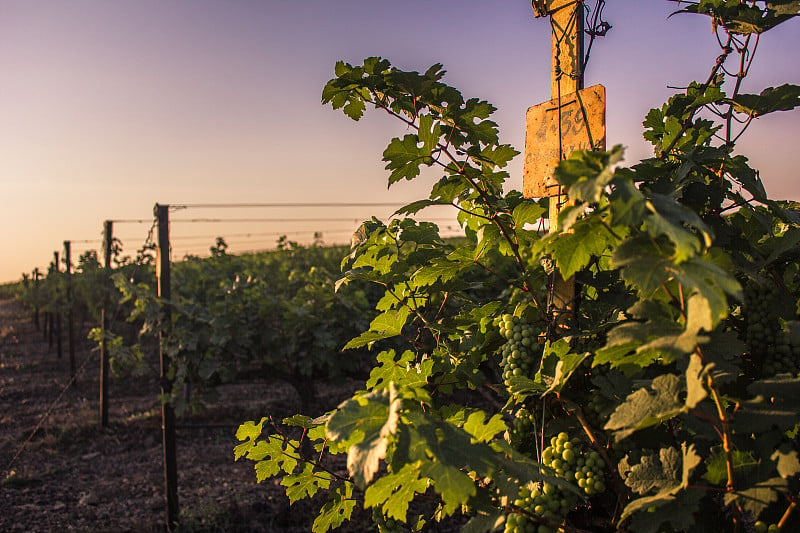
column 543, row 8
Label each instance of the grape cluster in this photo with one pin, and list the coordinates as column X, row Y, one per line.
column 521, row 352
column 572, row 461
column 785, row 357
column 771, row 349
column 597, row 409
column 545, row 501
column 762, row 323
column 763, row 527
column 524, row 429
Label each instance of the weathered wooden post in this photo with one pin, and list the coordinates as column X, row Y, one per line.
column 69, row 302
column 108, row 235
column 48, row 317
column 167, row 411
column 573, row 119
column 57, row 280
column 36, row 276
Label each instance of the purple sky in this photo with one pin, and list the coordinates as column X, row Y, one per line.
column 107, row 107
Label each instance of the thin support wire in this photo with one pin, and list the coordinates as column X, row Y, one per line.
column 178, row 207
column 7, row 470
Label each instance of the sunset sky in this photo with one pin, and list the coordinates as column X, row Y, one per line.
column 109, row 106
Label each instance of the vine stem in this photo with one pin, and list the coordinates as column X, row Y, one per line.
column 726, row 51
column 727, row 439
column 300, row 459
column 726, row 431
column 727, row 436
column 788, row 514
column 616, row 478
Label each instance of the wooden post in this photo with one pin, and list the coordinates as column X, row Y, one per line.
column 57, row 276
column 573, row 119
column 108, row 231
column 48, row 329
column 36, row 275
column 167, row 411
column 48, row 315
column 70, row 313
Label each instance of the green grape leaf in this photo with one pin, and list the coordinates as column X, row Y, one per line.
column 678, row 511
column 409, row 377
column 437, row 269
column 305, row 422
column 641, row 343
column 447, row 452
column 787, row 461
column 623, row 357
column 524, row 386
column 455, row 486
column 448, row 188
column 498, row 155
column 740, row 171
column 417, row 232
column 483, row 430
column 249, row 432
column 695, row 375
column 350, row 101
column 305, row 483
column 711, row 281
column 387, row 324
column 394, row 491
column 776, row 403
column 404, row 158
column 586, row 174
column 417, row 206
column 670, row 474
column 558, row 365
column 271, row 456
column 572, row 251
column 787, row 243
column 643, row 264
column 758, row 497
column 336, row 510
column 717, row 465
column 627, row 203
column 783, row 98
column 655, row 472
column 645, row 408
column 429, row 131
column 527, row 212
column 669, row 217
column 364, row 422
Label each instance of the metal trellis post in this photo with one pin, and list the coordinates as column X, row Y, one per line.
column 70, row 313
column 167, row 410
column 108, row 230
column 56, row 275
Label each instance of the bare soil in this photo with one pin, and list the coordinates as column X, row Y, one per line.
column 60, row 471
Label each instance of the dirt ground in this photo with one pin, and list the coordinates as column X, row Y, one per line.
column 59, row 471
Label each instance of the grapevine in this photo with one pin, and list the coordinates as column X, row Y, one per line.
column 668, row 390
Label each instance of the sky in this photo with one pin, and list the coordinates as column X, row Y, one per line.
column 110, row 106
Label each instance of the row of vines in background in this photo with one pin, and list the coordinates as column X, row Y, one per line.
column 667, row 399
column 252, row 317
